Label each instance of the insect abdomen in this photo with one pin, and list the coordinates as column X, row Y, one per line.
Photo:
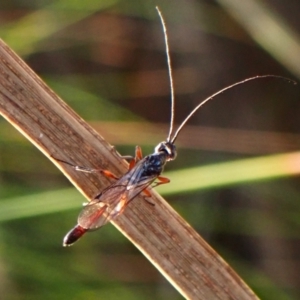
column 73, row 235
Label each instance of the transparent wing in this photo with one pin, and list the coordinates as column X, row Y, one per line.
column 97, row 213
column 113, row 200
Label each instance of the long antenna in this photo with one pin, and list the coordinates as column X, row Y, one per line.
column 220, row 92
column 170, row 73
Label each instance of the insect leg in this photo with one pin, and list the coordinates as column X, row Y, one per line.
column 148, row 194
column 132, row 164
column 138, row 156
column 161, row 180
column 107, row 173
column 87, row 169
column 126, row 157
column 133, row 160
column 138, row 153
column 149, row 202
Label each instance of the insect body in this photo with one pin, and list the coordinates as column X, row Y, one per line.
column 142, row 173
column 112, row 201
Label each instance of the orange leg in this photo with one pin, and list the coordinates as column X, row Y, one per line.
column 148, row 194
column 89, row 170
column 107, row 173
column 138, row 153
column 161, row 180
column 131, row 164
column 131, row 160
column 138, row 156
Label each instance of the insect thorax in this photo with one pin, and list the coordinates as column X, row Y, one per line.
column 154, row 164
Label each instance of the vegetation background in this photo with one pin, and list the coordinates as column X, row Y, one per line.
column 106, row 59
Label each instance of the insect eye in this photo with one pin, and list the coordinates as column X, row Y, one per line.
column 171, row 150
column 160, row 147
column 168, row 148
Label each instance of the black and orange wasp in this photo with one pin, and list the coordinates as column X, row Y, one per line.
column 143, row 173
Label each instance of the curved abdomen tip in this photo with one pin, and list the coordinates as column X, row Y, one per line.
column 73, row 235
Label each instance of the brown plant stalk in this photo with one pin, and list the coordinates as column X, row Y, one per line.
column 166, row 239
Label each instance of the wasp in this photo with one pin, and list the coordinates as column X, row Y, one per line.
column 144, row 172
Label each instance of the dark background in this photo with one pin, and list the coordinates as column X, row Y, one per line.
column 107, row 60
